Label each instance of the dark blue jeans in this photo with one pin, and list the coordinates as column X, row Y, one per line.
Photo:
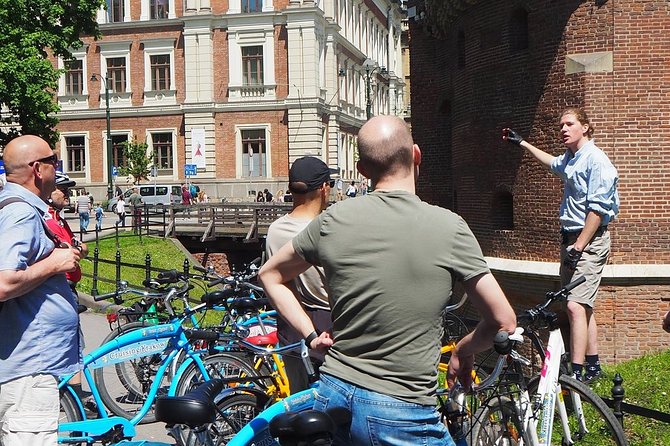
column 378, row 419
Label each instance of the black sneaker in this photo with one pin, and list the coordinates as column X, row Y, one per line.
column 593, row 375
column 81, row 308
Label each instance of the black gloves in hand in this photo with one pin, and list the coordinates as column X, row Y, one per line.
column 572, row 259
column 512, row 136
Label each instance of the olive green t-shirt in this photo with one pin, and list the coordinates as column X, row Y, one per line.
column 390, row 261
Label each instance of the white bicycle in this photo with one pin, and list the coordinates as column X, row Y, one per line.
column 550, row 409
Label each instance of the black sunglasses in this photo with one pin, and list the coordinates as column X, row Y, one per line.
column 53, row 160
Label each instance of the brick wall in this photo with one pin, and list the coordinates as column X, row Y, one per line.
column 458, row 113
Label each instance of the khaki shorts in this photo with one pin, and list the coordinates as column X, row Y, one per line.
column 591, row 265
column 29, row 410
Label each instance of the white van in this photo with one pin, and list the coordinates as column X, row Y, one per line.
column 152, row 194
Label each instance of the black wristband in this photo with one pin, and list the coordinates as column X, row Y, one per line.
column 310, row 337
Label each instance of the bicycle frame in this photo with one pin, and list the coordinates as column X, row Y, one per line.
column 165, row 339
column 548, row 396
column 256, row 432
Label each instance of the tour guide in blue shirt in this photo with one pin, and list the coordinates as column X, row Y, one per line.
column 590, row 202
column 38, row 317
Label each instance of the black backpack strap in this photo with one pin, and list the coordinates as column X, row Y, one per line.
column 47, row 231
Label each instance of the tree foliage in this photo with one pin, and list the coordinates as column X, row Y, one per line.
column 138, row 160
column 30, row 31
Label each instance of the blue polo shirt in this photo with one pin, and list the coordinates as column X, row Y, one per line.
column 39, row 329
column 590, row 184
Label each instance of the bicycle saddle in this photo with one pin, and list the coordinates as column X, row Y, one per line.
column 246, row 304
column 193, row 409
column 217, row 297
column 308, row 423
column 268, row 339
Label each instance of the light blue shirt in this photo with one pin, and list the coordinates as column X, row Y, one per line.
column 590, row 184
column 39, row 329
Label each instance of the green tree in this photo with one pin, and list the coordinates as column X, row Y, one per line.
column 138, row 160
column 30, row 31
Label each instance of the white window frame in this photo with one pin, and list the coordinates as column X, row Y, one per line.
column 157, row 47
column 87, row 153
column 237, row 39
column 109, row 50
column 128, row 133
column 235, row 6
column 145, row 9
column 150, row 147
column 239, row 153
column 102, row 13
column 74, row 101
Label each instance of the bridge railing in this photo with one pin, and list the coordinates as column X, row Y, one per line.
column 211, row 220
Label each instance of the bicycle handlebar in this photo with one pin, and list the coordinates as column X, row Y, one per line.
column 300, row 347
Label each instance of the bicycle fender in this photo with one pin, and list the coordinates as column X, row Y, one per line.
column 180, row 372
column 261, row 397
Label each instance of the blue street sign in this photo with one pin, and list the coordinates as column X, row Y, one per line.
column 60, row 166
column 190, row 170
column 115, row 171
column 2, row 167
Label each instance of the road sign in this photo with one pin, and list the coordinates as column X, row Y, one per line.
column 190, row 170
column 115, row 171
column 154, row 171
column 2, row 167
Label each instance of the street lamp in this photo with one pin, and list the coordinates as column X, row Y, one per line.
column 370, row 68
column 110, row 188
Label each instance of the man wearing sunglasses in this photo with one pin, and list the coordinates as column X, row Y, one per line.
column 38, row 317
column 310, row 185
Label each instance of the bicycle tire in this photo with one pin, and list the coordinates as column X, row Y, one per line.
column 220, row 365
column 69, row 412
column 604, row 429
column 234, row 412
column 496, row 423
column 124, row 386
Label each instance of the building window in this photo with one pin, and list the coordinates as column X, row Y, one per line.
column 252, row 65
column 158, row 9
column 116, row 74
column 162, row 146
column 160, row 72
column 118, row 154
column 253, row 153
column 115, row 11
column 75, row 147
column 460, row 49
column 252, row 5
column 518, row 31
column 502, row 215
column 74, row 77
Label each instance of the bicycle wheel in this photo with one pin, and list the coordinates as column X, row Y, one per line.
column 601, row 427
column 220, row 365
column 234, row 413
column 69, row 412
column 497, row 423
column 124, row 386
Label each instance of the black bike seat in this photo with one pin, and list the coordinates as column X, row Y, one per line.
column 193, row 409
column 245, row 304
column 217, row 297
column 309, row 423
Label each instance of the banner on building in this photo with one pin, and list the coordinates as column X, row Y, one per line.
column 198, row 147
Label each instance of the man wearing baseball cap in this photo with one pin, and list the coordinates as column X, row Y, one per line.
column 310, row 185
column 60, row 198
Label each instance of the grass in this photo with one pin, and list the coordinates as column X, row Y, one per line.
column 646, row 384
column 164, row 254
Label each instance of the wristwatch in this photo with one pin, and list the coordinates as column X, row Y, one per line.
column 310, row 337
